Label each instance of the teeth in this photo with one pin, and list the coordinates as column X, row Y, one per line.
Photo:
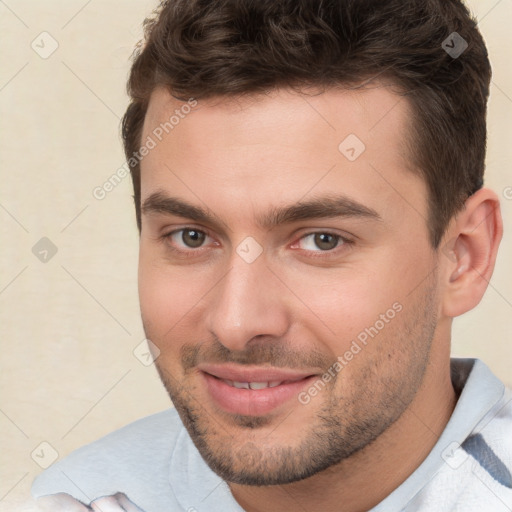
column 241, row 385
column 253, row 385
column 258, row 385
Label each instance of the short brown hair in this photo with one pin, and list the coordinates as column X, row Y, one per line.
column 207, row 48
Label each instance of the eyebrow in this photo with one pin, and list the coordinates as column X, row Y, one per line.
column 327, row 206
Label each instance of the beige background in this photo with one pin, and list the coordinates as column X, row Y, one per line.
column 70, row 325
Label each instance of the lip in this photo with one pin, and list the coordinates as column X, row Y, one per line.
column 252, row 402
column 248, row 374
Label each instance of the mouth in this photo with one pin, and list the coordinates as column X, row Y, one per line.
column 253, row 391
column 256, row 385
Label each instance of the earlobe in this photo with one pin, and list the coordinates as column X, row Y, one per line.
column 469, row 257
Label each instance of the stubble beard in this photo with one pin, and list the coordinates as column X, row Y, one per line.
column 345, row 423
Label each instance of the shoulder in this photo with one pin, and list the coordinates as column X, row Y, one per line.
column 138, row 452
column 491, row 441
column 476, row 473
column 489, row 444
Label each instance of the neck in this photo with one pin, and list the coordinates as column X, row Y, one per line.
column 367, row 477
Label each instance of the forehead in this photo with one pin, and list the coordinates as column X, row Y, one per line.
column 278, row 147
column 260, row 116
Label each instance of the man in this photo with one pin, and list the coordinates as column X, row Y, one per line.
column 308, row 183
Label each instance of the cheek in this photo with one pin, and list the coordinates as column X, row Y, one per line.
column 161, row 295
column 164, row 307
column 340, row 304
column 171, row 297
column 344, row 304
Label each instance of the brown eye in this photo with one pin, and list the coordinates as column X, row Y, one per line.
column 326, row 241
column 192, row 238
column 320, row 241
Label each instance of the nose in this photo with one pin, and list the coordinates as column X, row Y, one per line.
column 249, row 301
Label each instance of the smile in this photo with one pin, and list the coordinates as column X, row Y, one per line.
column 255, row 385
column 252, row 391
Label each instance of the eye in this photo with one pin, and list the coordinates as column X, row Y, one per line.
column 321, row 242
column 188, row 238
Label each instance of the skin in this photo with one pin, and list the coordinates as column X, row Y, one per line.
column 298, row 306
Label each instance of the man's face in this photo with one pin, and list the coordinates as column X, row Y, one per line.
column 307, row 277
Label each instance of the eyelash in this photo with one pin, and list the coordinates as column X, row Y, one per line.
column 190, row 253
column 185, row 253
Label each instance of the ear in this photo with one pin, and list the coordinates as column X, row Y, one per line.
column 468, row 253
